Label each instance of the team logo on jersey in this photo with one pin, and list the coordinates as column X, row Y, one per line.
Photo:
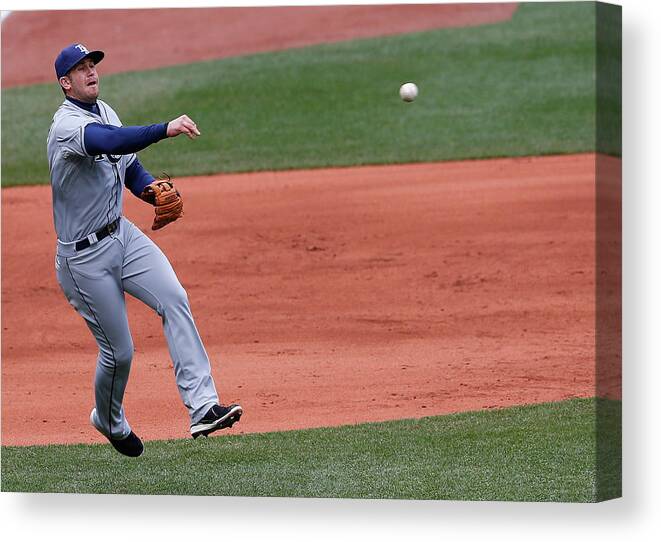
column 112, row 158
column 82, row 48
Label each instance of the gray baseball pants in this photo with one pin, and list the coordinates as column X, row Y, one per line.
column 94, row 281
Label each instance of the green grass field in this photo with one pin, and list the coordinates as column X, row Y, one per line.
column 522, row 87
column 534, row 453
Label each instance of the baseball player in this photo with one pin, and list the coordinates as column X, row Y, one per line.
column 101, row 254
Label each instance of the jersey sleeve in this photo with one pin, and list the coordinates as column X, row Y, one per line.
column 70, row 136
column 125, row 140
column 137, row 177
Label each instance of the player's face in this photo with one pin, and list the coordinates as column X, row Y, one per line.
column 82, row 82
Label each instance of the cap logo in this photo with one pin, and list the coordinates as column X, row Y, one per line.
column 82, row 48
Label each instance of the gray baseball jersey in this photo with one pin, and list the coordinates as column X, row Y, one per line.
column 87, row 190
column 87, row 196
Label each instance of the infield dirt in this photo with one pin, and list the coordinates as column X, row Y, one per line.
column 328, row 297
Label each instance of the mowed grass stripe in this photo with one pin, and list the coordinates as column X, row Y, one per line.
column 543, row 452
column 522, row 87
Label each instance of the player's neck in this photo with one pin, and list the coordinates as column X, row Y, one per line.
column 92, row 107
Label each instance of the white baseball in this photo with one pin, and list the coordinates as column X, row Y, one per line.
column 408, row 92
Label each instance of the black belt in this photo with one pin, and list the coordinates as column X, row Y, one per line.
column 98, row 235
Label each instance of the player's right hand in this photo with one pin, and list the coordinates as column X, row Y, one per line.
column 182, row 125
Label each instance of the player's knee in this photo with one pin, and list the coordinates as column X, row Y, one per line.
column 124, row 356
column 177, row 298
column 117, row 358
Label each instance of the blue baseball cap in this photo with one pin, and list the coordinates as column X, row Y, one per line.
column 72, row 55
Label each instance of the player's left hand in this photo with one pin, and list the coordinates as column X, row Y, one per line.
column 167, row 202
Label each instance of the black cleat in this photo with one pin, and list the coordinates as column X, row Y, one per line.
column 130, row 446
column 218, row 417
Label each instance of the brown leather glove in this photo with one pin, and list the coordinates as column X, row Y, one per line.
column 167, row 202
